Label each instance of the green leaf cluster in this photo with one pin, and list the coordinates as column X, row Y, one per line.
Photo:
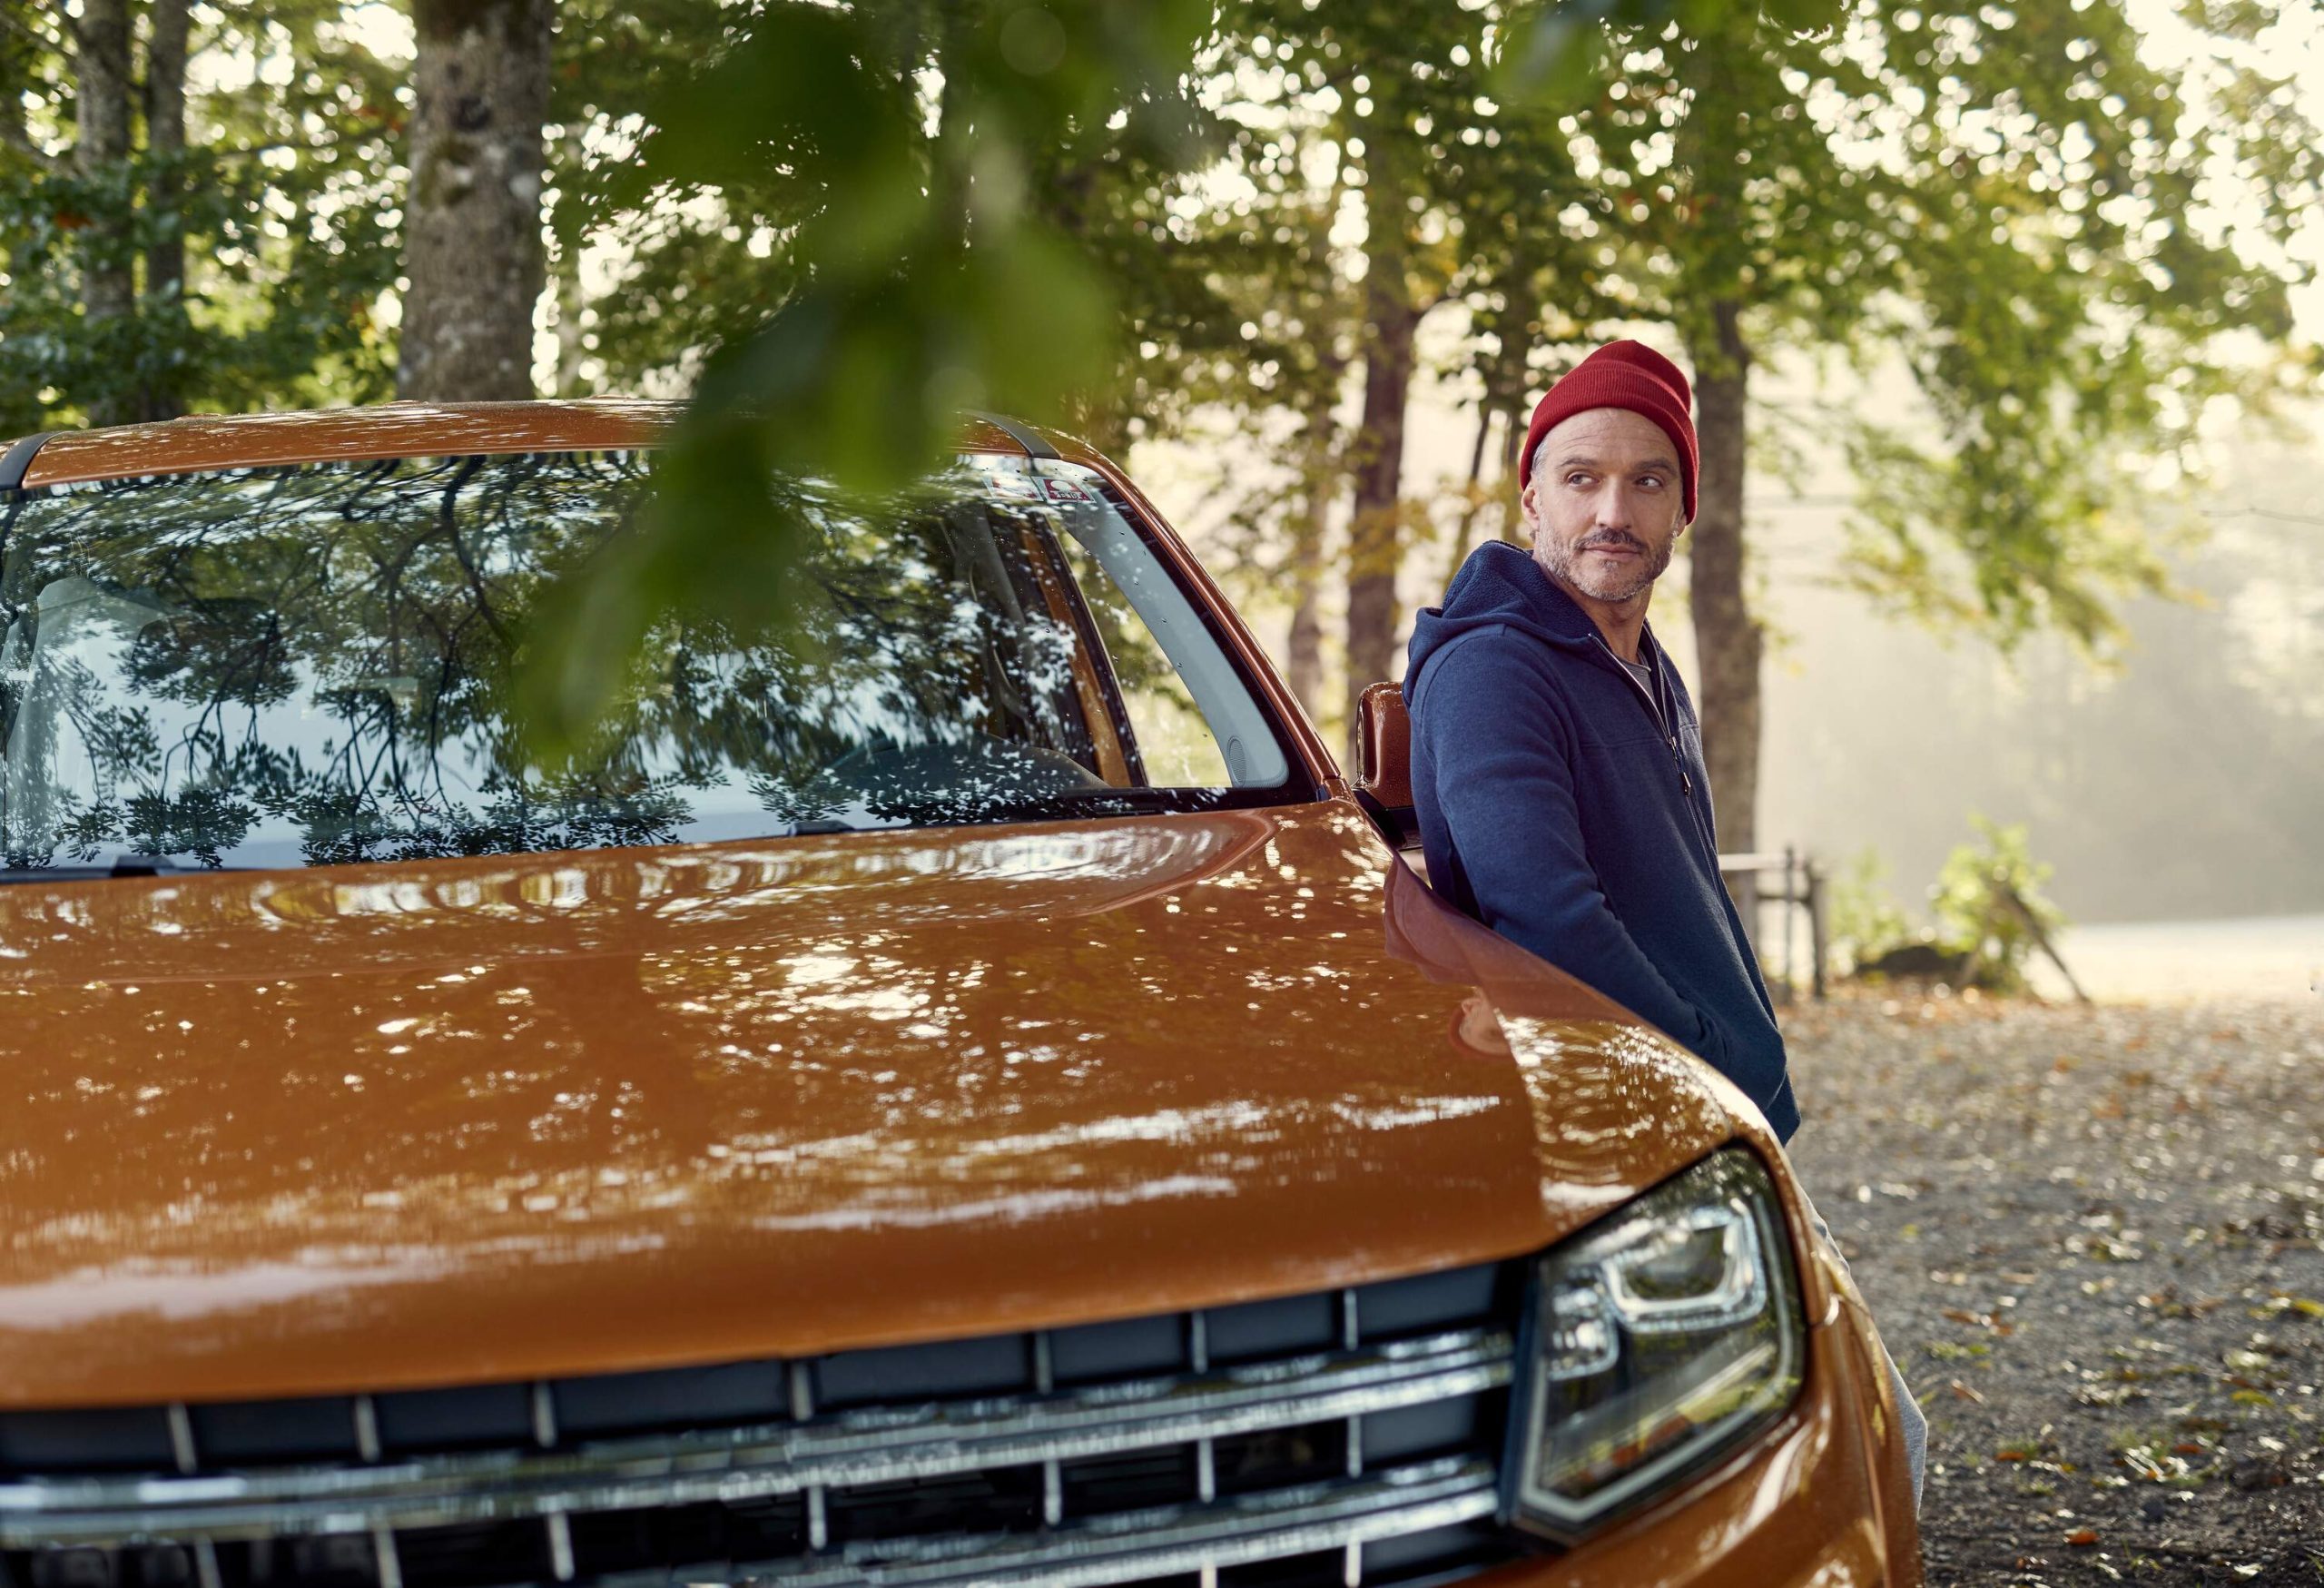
column 286, row 200
column 906, row 163
column 1990, row 907
column 2014, row 204
column 1861, row 915
column 1991, row 911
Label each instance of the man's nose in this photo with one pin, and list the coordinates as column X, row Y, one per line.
column 1614, row 505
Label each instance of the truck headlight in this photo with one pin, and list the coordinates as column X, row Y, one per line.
column 1654, row 1339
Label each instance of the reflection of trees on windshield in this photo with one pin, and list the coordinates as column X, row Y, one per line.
column 314, row 663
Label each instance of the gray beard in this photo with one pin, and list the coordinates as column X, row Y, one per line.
column 1561, row 559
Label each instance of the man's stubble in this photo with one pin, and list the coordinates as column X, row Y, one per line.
column 1563, row 561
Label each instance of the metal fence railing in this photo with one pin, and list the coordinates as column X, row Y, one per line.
column 1798, row 888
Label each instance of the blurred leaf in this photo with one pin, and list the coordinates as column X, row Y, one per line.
column 2235, row 19
column 1554, row 53
column 804, row 108
column 707, row 544
column 900, row 155
column 1553, row 49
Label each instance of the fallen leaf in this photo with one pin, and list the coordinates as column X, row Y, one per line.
column 1963, row 1392
column 2082, row 1537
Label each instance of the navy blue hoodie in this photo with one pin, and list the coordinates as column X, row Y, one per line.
column 1567, row 808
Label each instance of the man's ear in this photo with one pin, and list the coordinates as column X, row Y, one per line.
column 1528, row 510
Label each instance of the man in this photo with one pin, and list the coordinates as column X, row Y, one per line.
column 1556, row 762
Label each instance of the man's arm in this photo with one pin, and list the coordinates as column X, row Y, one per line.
column 1504, row 789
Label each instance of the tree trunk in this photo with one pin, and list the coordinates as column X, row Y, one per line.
column 165, row 56
column 472, row 225
column 1727, row 637
column 1303, row 649
column 1303, row 660
column 1515, row 417
column 1100, row 418
column 21, row 405
column 1466, row 525
column 1374, row 544
column 108, row 276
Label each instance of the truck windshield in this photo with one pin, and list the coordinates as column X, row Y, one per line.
column 280, row 667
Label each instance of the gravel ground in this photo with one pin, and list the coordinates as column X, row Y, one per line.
column 2095, row 1238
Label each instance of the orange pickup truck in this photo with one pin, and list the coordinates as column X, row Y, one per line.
column 961, row 1089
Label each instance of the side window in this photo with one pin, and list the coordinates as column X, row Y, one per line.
column 1188, row 707
column 1190, row 721
column 1176, row 745
column 1175, row 742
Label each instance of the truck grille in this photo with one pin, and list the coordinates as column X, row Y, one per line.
column 1345, row 1437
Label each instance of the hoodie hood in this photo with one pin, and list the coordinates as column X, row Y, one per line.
column 1499, row 583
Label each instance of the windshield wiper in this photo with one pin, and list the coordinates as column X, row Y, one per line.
column 121, row 865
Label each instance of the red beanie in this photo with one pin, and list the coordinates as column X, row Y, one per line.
column 1624, row 374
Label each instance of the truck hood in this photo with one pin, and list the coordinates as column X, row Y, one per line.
column 369, row 1128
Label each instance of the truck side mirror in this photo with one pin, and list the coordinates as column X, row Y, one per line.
column 1383, row 779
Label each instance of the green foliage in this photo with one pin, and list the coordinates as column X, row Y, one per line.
column 1862, row 915
column 1393, row 114
column 286, row 200
column 897, row 153
column 840, row 223
column 2069, row 313
column 697, row 270
column 2008, row 200
column 1990, row 910
column 1990, row 907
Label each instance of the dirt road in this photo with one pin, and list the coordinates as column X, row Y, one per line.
column 2095, row 1241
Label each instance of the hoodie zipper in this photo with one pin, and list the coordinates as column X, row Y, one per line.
column 1685, row 783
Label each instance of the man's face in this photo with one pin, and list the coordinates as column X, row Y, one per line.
column 1605, row 503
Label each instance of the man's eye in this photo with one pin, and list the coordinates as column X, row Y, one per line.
column 1577, row 481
